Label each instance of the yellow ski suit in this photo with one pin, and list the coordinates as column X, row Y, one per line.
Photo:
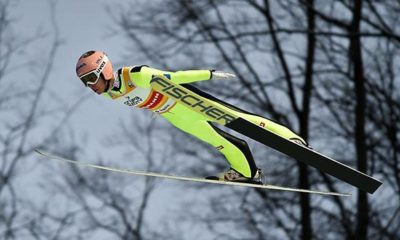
column 132, row 88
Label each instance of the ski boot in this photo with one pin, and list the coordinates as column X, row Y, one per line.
column 233, row 176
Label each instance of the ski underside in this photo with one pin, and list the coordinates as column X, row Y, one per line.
column 191, row 179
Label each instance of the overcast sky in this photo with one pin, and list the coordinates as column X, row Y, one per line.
column 83, row 25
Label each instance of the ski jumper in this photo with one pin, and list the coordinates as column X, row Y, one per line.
column 132, row 88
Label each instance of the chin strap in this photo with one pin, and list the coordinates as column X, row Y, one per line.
column 107, row 86
column 110, row 86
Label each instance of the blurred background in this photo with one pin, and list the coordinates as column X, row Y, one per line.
column 329, row 70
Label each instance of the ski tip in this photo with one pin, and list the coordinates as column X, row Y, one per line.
column 39, row 151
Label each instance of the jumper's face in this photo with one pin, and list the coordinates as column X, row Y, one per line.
column 101, row 86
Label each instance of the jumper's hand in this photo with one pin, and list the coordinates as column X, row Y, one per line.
column 217, row 75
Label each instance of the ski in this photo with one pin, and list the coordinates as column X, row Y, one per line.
column 191, row 179
column 303, row 154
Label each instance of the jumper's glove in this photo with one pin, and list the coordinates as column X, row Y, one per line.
column 217, row 75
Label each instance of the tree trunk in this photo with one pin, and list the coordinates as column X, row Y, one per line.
column 304, row 120
column 359, row 111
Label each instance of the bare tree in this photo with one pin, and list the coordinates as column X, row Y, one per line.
column 331, row 64
column 110, row 204
column 349, row 100
column 22, row 114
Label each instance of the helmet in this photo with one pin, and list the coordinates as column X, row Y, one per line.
column 91, row 65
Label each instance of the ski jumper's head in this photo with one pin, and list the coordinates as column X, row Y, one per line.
column 95, row 70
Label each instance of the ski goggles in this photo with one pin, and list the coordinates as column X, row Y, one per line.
column 93, row 77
